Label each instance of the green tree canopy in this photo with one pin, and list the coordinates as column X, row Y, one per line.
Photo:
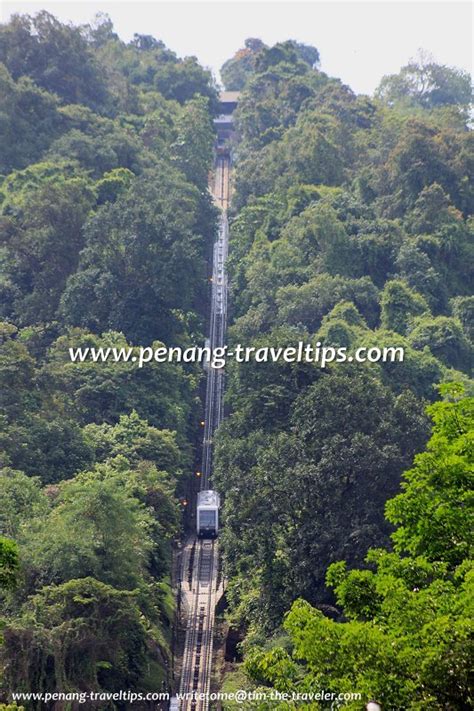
column 95, row 528
column 77, row 636
column 55, row 55
column 406, row 638
column 138, row 252
column 425, row 83
column 29, row 121
column 9, row 563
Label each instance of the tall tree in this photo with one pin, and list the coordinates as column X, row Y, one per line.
column 55, row 55
column 427, row 84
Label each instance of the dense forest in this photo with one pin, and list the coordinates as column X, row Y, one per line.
column 346, row 499
column 104, row 216
column 351, row 225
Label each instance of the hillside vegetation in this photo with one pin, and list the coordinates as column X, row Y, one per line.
column 346, row 492
column 104, row 216
column 352, row 226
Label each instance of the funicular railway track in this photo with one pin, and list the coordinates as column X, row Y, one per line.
column 195, row 679
column 201, row 590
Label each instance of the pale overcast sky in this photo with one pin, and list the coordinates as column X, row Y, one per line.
column 358, row 41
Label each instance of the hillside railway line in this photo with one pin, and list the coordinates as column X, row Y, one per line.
column 200, row 585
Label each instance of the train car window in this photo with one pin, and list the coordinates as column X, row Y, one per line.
column 207, row 518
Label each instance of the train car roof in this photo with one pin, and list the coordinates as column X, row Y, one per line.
column 229, row 97
column 208, row 497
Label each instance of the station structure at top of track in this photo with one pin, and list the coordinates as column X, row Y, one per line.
column 199, row 566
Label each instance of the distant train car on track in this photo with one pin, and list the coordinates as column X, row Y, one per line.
column 224, row 122
column 174, row 704
column 222, row 146
column 207, row 514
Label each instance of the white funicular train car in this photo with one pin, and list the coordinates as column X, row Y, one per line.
column 207, row 514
